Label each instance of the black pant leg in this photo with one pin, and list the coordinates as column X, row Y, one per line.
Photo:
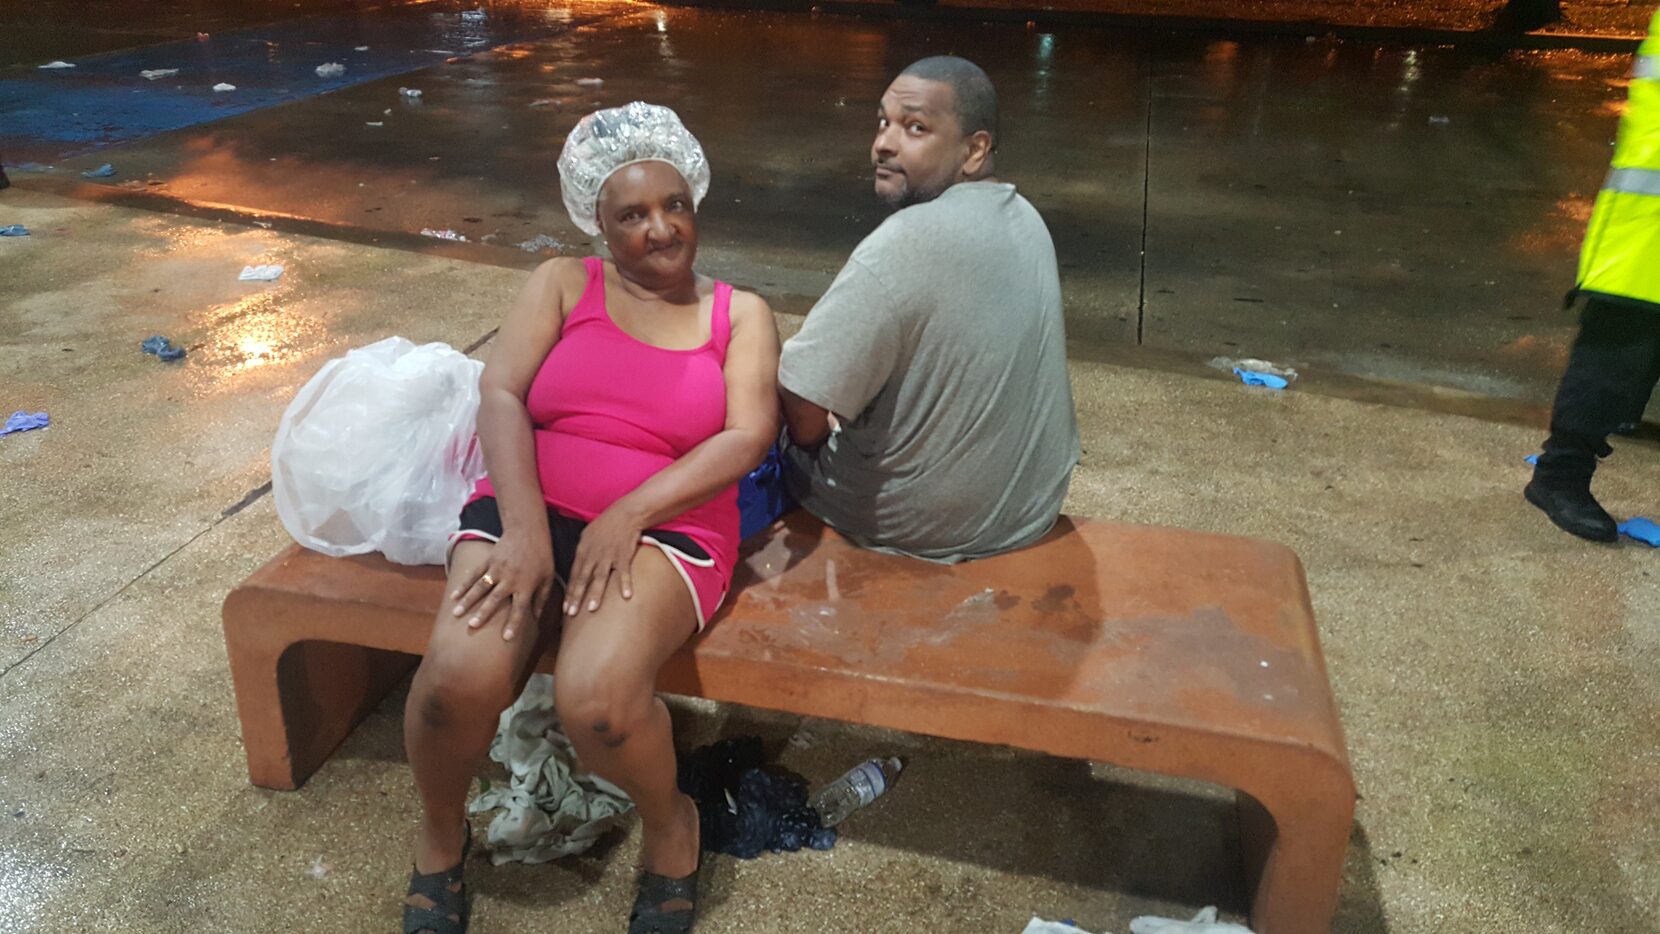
column 1611, row 371
column 1645, row 388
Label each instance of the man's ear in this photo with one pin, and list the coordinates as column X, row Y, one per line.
column 979, row 154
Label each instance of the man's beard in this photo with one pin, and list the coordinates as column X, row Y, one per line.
column 907, row 196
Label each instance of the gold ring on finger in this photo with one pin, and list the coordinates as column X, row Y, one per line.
column 488, row 580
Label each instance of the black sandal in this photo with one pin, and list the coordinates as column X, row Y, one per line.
column 649, row 917
column 448, row 911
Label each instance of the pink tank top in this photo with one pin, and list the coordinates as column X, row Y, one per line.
column 609, row 411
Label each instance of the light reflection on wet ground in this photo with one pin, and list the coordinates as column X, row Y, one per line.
column 1368, row 210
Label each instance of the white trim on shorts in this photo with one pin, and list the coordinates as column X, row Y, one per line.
column 675, row 556
column 455, row 538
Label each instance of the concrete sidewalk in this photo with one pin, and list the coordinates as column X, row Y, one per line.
column 1497, row 678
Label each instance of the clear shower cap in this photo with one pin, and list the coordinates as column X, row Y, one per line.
column 608, row 140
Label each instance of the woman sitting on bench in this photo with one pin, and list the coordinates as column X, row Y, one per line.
column 621, row 403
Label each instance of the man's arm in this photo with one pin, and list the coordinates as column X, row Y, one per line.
column 809, row 424
column 842, row 356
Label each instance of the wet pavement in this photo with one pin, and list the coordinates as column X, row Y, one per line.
column 1464, row 20
column 1362, row 211
column 113, row 98
column 1495, row 676
column 43, row 30
column 1397, row 221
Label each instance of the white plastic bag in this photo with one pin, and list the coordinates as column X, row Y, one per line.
column 1203, row 923
column 377, row 452
column 1039, row 926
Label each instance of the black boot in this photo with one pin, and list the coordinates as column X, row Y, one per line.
column 1561, row 488
column 1573, row 509
column 1611, row 371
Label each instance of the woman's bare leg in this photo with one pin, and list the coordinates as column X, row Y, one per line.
column 605, row 689
column 468, row 677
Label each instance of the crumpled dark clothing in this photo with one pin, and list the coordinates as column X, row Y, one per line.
column 745, row 809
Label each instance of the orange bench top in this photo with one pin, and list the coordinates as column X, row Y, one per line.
column 1144, row 646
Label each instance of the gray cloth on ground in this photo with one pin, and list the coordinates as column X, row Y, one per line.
column 941, row 349
column 549, row 808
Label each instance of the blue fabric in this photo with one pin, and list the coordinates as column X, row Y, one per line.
column 103, row 171
column 744, row 806
column 162, row 347
column 1253, row 378
column 25, row 421
column 1644, row 530
column 14, row 230
column 763, row 495
column 1532, row 459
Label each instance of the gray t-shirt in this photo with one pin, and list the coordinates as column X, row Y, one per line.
column 941, row 349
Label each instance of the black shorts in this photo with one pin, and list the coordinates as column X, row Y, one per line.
column 481, row 521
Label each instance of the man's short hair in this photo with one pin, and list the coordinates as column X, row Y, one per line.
column 976, row 98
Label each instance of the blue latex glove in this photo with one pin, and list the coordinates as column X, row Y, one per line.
column 1644, row 530
column 25, row 421
column 14, row 230
column 162, row 347
column 1253, row 378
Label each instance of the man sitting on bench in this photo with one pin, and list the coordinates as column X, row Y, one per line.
column 939, row 352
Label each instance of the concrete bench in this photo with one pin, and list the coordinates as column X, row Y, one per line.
column 1175, row 652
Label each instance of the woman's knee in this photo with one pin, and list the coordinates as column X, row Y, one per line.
column 457, row 687
column 598, row 709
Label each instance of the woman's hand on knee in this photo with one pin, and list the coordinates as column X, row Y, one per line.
column 607, row 547
column 518, row 576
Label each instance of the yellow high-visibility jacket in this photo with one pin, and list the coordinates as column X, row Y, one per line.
column 1621, row 256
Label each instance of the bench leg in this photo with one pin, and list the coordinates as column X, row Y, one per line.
column 299, row 701
column 1294, row 861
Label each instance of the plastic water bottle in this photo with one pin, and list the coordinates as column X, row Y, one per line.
column 863, row 784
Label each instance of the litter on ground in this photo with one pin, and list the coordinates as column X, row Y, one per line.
column 162, row 348
column 268, row 273
column 1641, row 529
column 25, row 421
